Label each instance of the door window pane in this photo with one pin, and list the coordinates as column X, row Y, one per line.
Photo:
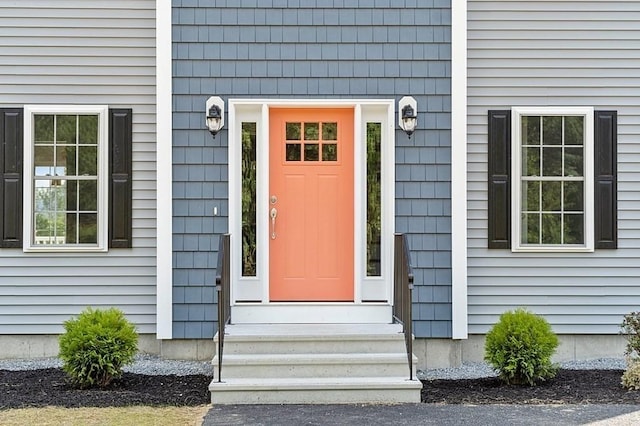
column 330, row 152
column 294, row 152
column 249, row 241
column 329, row 131
column 374, row 199
column 293, row 131
column 311, row 152
column 311, row 131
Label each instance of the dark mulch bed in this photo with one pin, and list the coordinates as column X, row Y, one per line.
column 40, row 388
column 46, row 387
column 568, row 387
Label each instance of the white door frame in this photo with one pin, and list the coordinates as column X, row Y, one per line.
column 250, row 295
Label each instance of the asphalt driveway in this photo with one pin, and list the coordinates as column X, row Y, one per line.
column 423, row 414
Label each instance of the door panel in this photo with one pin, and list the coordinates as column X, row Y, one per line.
column 311, row 190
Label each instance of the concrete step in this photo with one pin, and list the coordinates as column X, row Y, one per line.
column 315, row 329
column 314, row 365
column 268, row 345
column 313, row 338
column 328, row 390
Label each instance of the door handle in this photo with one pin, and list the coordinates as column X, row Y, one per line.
column 273, row 214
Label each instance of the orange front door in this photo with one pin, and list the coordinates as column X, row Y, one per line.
column 311, row 204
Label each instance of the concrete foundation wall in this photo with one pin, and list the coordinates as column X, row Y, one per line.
column 35, row 346
column 441, row 353
column 431, row 353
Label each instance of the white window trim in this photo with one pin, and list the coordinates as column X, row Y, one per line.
column 516, row 182
column 103, row 166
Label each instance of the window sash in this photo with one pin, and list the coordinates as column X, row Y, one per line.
column 82, row 220
column 562, row 217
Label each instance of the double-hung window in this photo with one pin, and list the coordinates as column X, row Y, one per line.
column 552, row 184
column 553, row 179
column 65, row 156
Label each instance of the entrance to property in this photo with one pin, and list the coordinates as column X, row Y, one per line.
column 311, row 210
column 311, row 204
column 312, row 261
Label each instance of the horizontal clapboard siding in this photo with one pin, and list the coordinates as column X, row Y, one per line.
column 555, row 53
column 83, row 52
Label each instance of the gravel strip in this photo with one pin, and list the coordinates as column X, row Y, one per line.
column 154, row 365
column 143, row 364
column 475, row 370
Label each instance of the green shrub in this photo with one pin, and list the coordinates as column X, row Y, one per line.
column 519, row 347
column 96, row 345
column 631, row 330
column 631, row 376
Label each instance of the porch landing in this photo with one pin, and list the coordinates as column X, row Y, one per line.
column 314, row 364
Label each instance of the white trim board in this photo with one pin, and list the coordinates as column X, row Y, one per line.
column 302, row 313
column 164, row 196
column 459, row 169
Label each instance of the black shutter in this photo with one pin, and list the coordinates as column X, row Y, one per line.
column 11, row 143
column 120, row 182
column 499, row 184
column 605, row 195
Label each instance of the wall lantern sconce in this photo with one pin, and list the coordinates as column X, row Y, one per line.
column 408, row 115
column 215, row 115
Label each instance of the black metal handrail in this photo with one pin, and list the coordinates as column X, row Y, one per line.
column 223, row 287
column 402, row 289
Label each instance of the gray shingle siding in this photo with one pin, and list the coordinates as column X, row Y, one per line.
column 311, row 48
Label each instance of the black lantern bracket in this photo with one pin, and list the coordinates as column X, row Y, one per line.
column 408, row 115
column 215, row 115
